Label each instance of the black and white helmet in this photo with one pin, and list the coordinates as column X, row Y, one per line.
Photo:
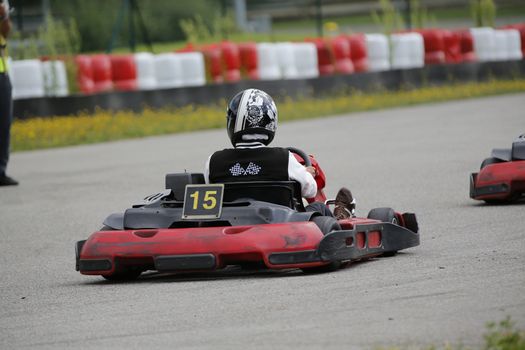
column 251, row 116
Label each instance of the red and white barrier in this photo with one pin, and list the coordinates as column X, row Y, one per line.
column 378, row 52
column 192, row 68
column 28, row 79
column 407, row 51
column 145, row 63
column 55, row 78
column 305, row 55
column 268, row 60
column 168, row 70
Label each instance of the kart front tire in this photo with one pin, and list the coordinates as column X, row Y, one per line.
column 384, row 215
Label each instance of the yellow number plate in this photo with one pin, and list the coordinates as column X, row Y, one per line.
column 203, row 202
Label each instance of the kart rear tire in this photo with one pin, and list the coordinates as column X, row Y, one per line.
column 384, row 215
column 326, row 224
column 489, row 161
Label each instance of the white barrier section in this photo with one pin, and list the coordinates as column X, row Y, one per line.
column 378, row 52
column 484, row 43
column 285, row 55
column 28, row 79
column 513, row 43
column 145, row 63
column 268, row 62
column 168, row 70
column 305, row 56
column 192, row 68
column 408, row 50
column 55, row 78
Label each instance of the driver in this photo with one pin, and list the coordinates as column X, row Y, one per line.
column 251, row 123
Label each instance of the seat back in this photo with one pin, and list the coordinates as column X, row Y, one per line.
column 285, row 193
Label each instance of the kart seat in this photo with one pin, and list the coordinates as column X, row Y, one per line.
column 285, row 193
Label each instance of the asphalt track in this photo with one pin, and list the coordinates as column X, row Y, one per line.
column 468, row 270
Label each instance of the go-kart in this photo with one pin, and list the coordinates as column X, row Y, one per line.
column 502, row 176
column 193, row 226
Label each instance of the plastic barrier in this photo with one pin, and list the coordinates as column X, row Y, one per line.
column 484, row 43
column 268, row 62
column 520, row 27
column 101, row 73
column 27, row 79
column 85, row 80
column 341, row 53
column 467, row 46
column 378, row 52
column 305, row 55
column 286, row 59
column 192, row 68
column 510, row 44
column 123, row 72
column 249, row 63
column 168, row 70
column 407, row 50
column 452, row 47
column 324, row 56
column 434, row 45
column 358, row 52
column 231, row 61
column 213, row 59
column 55, row 78
column 145, row 64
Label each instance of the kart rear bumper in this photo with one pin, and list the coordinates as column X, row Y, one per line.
column 291, row 245
column 500, row 181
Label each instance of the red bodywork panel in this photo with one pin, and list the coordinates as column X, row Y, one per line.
column 229, row 245
column 510, row 176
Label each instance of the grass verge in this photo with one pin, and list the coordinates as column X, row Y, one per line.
column 38, row 133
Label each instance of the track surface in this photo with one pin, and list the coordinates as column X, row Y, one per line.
column 468, row 270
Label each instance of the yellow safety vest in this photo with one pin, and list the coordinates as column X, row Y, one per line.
column 3, row 55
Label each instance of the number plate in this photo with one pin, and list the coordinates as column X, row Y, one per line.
column 202, row 202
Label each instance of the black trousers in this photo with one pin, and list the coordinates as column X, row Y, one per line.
column 6, row 117
column 320, row 208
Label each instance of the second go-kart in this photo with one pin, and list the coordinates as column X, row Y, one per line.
column 193, row 226
column 502, row 176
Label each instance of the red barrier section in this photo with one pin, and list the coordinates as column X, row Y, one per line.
column 341, row 50
column 324, row 56
column 123, row 72
column 85, row 80
column 467, row 46
column 101, row 72
column 213, row 57
column 434, row 46
column 452, row 46
column 249, row 62
column 231, row 61
column 358, row 52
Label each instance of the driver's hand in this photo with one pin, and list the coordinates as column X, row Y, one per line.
column 311, row 170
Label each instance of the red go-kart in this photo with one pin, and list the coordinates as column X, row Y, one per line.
column 502, row 176
column 193, row 226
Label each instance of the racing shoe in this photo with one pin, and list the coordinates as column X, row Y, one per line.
column 344, row 204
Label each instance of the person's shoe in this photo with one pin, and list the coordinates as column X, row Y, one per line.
column 7, row 181
column 344, row 204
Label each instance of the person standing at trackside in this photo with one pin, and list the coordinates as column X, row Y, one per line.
column 6, row 103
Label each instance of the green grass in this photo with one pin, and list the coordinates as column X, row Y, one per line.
column 101, row 126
